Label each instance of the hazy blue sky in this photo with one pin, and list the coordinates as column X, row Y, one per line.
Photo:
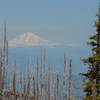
column 64, row 21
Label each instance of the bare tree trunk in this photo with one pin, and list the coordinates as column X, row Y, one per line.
column 70, row 81
column 49, row 83
column 15, row 77
column 64, row 82
column 37, row 66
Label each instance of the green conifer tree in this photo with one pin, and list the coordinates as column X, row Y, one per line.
column 92, row 76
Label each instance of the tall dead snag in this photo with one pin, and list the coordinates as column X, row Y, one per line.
column 53, row 87
column 64, row 81
column 34, row 91
column 20, row 87
column 37, row 67
column 60, row 87
column 57, row 85
column 24, row 84
column 10, row 82
column 41, row 69
column 29, row 84
column 7, row 62
column 15, row 77
column 4, row 59
column 43, row 84
column 2, row 68
column 21, row 83
column 49, row 83
column 5, row 50
column 44, row 59
column 70, row 81
column 41, row 74
column 1, row 64
column 28, row 78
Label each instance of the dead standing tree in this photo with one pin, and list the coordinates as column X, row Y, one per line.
column 4, row 59
column 70, row 82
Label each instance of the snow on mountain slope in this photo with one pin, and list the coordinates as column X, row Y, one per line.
column 30, row 39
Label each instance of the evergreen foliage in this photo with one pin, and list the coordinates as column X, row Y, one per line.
column 92, row 83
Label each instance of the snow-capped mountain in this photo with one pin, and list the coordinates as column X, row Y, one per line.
column 30, row 39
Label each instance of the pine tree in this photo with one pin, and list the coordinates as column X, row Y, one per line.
column 93, row 74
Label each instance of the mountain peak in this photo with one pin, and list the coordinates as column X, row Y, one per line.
column 30, row 34
column 30, row 39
